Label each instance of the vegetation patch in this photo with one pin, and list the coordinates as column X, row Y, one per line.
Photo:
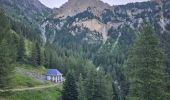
column 45, row 94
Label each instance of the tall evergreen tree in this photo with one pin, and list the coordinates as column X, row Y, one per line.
column 110, row 92
column 81, row 90
column 115, row 94
column 91, row 85
column 7, row 50
column 39, row 56
column 5, row 63
column 104, row 86
column 21, row 49
column 4, row 26
column 36, row 55
column 98, row 86
column 70, row 88
column 45, row 59
column 146, row 68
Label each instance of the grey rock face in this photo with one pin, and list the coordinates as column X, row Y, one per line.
column 73, row 7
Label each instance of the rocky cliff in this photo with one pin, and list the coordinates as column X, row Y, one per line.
column 99, row 18
column 73, row 7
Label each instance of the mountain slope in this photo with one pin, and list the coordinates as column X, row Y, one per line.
column 111, row 32
column 101, row 33
column 73, row 7
column 24, row 8
column 106, row 18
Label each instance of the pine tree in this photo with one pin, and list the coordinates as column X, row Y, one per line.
column 97, row 85
column 115, row 94
column 110, row 93
column 101, row 85
column 90, row 85
column 104, row 82
column 146, row 68
column 4, row 26
column 7, row 50
column 81, row 90
column 21, row 49
column 94, row 85
column 45, row 60
column 33, row 56
column 5, row 63
column 36, row 55
column 70, row 88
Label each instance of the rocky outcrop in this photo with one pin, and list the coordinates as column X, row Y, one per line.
column 73, row 7
column 95, row 25
column 99, row 17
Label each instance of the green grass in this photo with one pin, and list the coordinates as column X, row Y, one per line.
column 19, row 79
column 38, row 70
column 45, row 94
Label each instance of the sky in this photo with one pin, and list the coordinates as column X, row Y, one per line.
column 58, row 3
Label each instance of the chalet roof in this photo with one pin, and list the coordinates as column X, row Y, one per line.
column 53, row 72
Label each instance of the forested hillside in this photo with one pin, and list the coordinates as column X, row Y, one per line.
column 104, row 52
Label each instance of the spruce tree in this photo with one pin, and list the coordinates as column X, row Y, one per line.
column 45, row 60
column 4, row 25
column 70, row 88
column 145, row 68
column 5, row 63
column 21, row 49
column 104, row 86
column 39, row 56
column 7, row 50
column 81, row 89
column 110, row 92
column 96, row 86
column 36, row 55
column 101, row 82
column 90, row 85
column 115, row 94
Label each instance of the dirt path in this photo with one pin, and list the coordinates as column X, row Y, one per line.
column 31, row 88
